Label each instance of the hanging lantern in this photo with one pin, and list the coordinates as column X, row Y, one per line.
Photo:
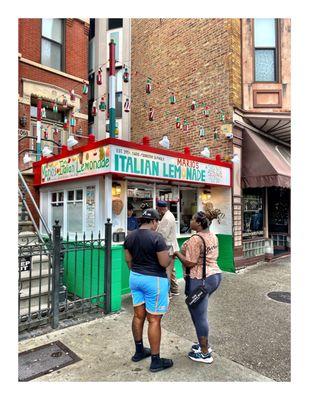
column 126, row 76
column 185, row 126
column 102, row 105
column 65, row 123
column 55, row 107
column 193, row 105
column 201, row 131
column 206, row 111
column 216, row 134
column 126, row 105
column 43, row 112
column 172, row 99
column 222, row 116
column 151, row 114
column 56, row 130
column 148, row 86
column 65, row 102
column 99, row 77
column 177, row 122
column 94, row 109
column 85, row 88
column 72, row 95
column 45, row 134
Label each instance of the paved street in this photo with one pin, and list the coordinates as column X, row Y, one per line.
column 249, row 334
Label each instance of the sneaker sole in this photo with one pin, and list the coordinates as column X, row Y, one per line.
column 204, row 361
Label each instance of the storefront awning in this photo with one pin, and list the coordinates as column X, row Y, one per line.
column 264, row 162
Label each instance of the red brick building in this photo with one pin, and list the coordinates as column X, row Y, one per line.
column 53, row 60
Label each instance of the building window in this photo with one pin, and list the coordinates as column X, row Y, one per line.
column 265, row 50
column 75, row 211
column 57, row 206
column 114, row 23
column 253, row 221
column 116, row 35
column 52, row 43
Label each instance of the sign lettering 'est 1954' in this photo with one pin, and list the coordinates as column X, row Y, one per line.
column 122, row 160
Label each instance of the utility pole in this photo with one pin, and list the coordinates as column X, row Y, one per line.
column 112, row 89
column 38, row 129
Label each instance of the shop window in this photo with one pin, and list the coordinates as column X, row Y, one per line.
column 171, row 196
column 75, row 211
column 141, row 197
column 253, row 222
column 57, row 207
column 278, row 206
column 265, row 50
column 188, row 207
column 52, row 43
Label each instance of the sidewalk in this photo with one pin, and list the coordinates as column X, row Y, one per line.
column 241, row 331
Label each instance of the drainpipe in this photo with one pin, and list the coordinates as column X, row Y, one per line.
column 112, row 89
column 38, row 129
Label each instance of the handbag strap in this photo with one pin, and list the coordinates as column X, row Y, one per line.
column 204, row 258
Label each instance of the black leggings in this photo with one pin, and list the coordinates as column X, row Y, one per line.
column 199, row 313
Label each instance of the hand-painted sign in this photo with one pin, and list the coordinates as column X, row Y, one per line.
column 136, row 162
column 83, row 164
column 127, row 161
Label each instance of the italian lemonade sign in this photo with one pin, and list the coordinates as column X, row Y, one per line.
column 122, row 160
column 89, row 163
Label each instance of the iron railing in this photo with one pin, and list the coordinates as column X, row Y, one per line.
column 66, row 278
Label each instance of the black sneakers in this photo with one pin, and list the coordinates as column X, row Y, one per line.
column 140, row 356
column 160, row 364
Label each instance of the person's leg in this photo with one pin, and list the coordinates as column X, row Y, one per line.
column 138, row 317
column 154, row 332
column 156, row 300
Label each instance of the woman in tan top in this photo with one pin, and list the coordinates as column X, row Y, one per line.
column 191, row 256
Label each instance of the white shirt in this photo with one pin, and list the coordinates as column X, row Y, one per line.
column 167, row 228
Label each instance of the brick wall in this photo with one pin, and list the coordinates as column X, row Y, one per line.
column 75, row 64
column 195, row 58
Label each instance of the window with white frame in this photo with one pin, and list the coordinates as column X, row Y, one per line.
column 75, row 211
column 265, row 50
column 52, row 43
column 57, row 208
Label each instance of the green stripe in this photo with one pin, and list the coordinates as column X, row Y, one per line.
column 112, row 122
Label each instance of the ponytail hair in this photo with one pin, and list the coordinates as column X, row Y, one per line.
column 205, row 218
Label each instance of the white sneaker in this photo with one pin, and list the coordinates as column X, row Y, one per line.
column 197, row 348
column 201, row 357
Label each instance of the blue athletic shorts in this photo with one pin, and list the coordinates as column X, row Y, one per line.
column 151, row 291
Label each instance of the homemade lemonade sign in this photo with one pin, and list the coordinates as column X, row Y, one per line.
column 136, row 162
column 83, row 164
column 122, row 160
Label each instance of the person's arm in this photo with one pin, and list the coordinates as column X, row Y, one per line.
column 183, row 260
column 164, row 258
column 128, row 258
column 190, row 253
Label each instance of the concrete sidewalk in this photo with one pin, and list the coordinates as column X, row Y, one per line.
column 246, row 330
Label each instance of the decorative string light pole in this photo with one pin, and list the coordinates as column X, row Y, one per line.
column 112, row 89
column 38, row 129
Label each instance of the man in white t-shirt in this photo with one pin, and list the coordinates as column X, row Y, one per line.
column 167, row 228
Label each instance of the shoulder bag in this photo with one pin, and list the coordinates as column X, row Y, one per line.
column 194, row 298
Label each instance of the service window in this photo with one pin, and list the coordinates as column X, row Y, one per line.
column 188, row 207
column 140, row 196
